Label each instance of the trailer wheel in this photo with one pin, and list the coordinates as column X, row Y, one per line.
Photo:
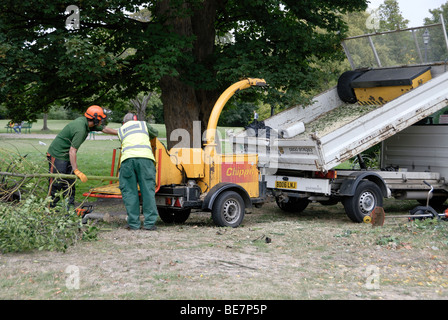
column 367, row 196
column 228, row 209
column 294, row 205
column 169, row 215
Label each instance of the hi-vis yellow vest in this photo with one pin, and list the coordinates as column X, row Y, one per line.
column 134, row 139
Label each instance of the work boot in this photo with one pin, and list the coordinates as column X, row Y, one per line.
column 128, row 227
column 152, row 228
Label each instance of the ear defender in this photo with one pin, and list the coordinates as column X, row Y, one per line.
column 95, row 119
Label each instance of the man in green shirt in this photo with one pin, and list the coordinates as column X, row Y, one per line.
column 62, row 152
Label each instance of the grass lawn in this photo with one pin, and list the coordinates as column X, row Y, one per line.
column 318, row 254
column 94, row 156
column 55, row 126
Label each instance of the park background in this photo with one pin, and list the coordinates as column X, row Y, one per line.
column 317, row 255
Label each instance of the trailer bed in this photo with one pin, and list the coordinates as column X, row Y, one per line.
column 336, row 131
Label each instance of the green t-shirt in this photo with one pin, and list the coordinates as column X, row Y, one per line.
column 73, row 135
column 153, row 132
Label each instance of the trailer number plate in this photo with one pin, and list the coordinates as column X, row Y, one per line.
column 286, row 184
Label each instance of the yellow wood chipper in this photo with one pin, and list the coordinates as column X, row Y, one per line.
column 202, row 178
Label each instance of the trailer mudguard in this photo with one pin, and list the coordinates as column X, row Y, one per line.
column 348, row 186
column 217, row 189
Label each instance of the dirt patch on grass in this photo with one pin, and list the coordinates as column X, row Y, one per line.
column 319, row 254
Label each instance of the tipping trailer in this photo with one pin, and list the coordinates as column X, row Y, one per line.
column 299, row 150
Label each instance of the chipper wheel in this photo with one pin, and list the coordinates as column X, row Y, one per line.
column 367, row 196
column 228, row 209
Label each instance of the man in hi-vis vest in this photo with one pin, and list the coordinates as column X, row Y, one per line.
column 137, row 167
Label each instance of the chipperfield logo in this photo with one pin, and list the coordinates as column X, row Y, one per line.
column 241, row 172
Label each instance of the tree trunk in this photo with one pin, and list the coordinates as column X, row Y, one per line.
column 45, row 126
column 140, row 104
column 182, row 103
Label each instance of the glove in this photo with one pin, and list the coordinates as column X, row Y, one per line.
column 80, row 175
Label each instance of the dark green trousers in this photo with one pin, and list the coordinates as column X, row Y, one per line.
column 139, row 171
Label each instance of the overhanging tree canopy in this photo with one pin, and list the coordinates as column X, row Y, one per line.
column 191, row 50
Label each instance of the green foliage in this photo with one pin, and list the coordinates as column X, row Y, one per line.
column 398, row 48
column 61, row 113
column 387, row 240
column 90, row 233
column 437, row 46
column 431, row 225
column 280, row 44
column 32, row 225
column 237, row 115
column 391, row 18
column 114, row 55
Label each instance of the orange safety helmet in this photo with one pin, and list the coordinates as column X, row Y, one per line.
column 95, row 113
